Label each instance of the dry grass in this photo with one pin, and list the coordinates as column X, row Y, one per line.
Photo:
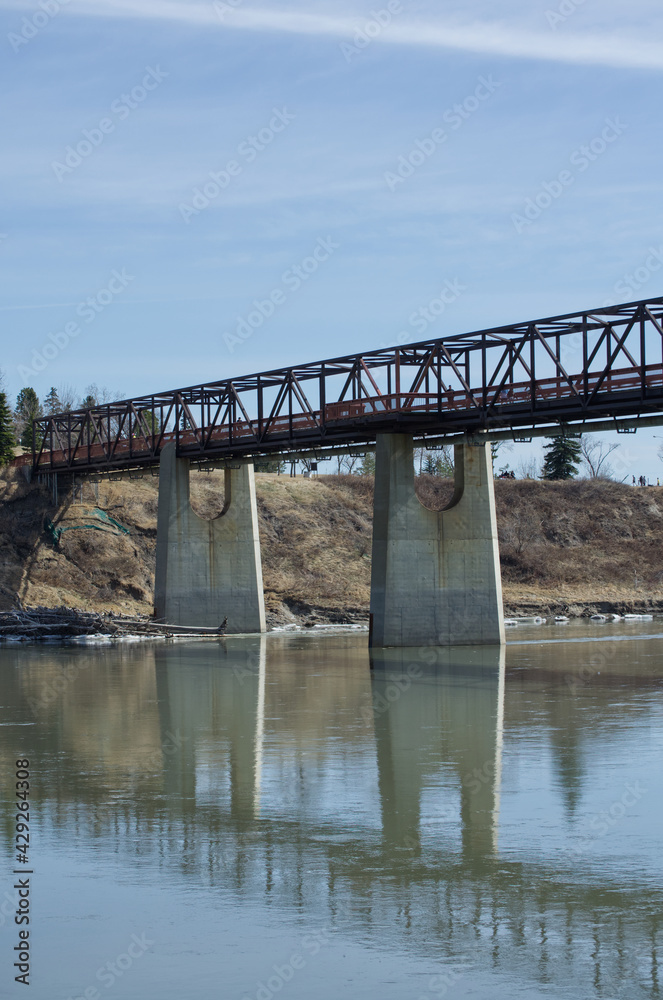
column 316, row 541
column 575, row 543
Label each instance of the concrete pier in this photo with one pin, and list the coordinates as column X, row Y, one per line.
column 435, row 576
column 208, row 570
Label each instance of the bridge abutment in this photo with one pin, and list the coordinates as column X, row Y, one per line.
column 435, row 575
column 208, row 570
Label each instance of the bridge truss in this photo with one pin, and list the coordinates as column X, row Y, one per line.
column 603, row 363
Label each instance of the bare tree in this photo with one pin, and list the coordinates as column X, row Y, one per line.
column 350, row 463
column 100, row 394
column 594, row 454
column 347, row 463
column 522, row 531
column 68, row 397
column 528, row 468
column 499, row 446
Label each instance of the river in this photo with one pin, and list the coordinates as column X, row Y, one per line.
column 253, row 818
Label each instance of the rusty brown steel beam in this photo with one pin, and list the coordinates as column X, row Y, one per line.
column 271, row 411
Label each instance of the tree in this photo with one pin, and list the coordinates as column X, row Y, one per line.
column 367, row 467
column 52, row 402
column 28, row 408
column 439, row 462
column 148, row 422
column 446, row 461
column 276, row 465
column 67, row 396
column 496, row 446
column 527, row 468
column 594, row 457
column 562, row 458
column 100, row 394
column 7, row 440
column 347, row 464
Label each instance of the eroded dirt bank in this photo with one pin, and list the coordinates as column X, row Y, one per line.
column 573, row 547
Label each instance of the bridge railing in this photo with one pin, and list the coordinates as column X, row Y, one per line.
column 458, row 399
column 98, row 446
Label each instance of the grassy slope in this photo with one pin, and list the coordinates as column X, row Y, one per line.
column 576, row 544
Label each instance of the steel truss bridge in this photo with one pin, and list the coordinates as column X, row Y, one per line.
column 587, row 367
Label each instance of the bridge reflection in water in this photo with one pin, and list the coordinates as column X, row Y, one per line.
column 361, row 794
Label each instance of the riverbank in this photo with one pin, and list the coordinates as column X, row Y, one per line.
column 573, row 548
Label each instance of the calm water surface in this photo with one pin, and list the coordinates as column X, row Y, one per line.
column 260, row 818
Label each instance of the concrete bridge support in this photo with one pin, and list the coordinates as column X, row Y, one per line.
column 208, row 570
column 435, row 575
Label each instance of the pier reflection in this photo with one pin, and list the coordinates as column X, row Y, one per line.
column 435, row 709
column 366, row 793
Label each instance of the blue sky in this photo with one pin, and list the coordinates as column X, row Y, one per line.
column 116, row 112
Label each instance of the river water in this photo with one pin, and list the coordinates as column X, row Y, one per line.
column 277, row 817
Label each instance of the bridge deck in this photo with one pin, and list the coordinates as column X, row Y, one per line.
column 506, row 378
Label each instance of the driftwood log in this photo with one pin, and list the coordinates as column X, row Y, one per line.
column 45, row 623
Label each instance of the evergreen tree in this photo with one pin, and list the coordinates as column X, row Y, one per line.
column 149, row 422
column 267, row 465
column 89, row 402
column 52, row 402
column 440, row 463
column 7, row 440
column 28, row 408
column 367, row 467
column 562, row 458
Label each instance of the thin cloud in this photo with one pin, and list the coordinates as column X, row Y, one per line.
column 612, row 50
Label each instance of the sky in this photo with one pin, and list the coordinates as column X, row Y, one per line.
column 168, row 165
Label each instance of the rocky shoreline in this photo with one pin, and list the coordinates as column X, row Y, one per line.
column 577, row 609
column 64, row 622
column 309, row 615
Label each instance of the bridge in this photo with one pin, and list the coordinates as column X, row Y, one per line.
column 435, row 576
